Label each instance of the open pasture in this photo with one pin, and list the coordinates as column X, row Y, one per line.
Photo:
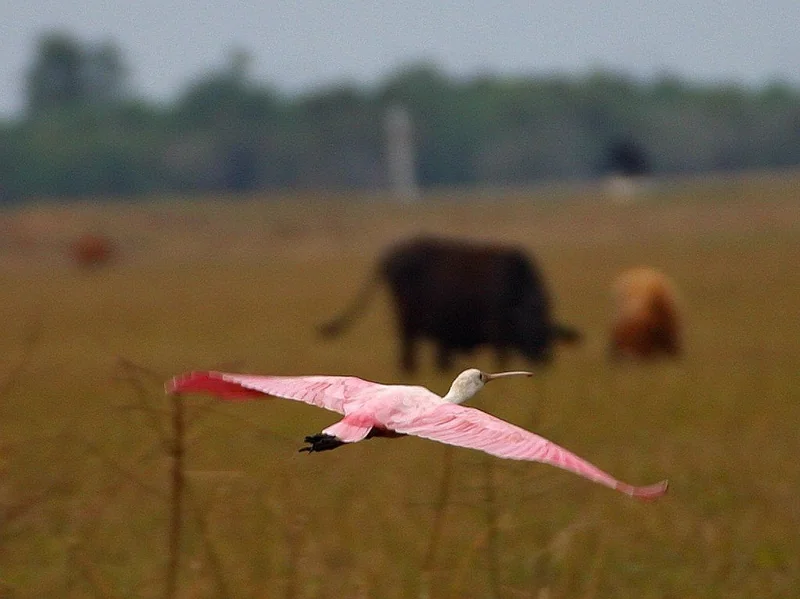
column 85, row 483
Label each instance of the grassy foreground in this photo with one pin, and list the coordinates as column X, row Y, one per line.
column 85, row 431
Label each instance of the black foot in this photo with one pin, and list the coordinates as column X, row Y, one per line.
column 321, row 442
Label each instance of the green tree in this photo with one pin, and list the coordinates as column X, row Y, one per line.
column 226, row 119
column 67, row 75
column 56, row 78
column 84, row 134
column 104, row 75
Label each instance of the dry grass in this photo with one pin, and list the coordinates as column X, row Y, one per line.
column 242, row 283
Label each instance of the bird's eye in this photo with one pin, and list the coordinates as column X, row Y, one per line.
column 482, row 377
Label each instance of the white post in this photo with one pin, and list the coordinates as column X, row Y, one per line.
column 400, row 153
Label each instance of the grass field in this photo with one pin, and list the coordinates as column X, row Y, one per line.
column 241, row 283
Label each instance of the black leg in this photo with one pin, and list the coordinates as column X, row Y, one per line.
column 444, row 358
column 502, row 356
column 321, row 442
column 408, row 358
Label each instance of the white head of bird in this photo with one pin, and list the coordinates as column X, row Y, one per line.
column 472, row 380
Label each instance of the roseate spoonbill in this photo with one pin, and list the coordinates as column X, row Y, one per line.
column 376, row 410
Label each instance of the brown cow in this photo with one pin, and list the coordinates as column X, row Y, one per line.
column 92, row 250
column 647, row 318
column 462, row 295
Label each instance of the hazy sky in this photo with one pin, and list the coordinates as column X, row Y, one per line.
column 297, row 45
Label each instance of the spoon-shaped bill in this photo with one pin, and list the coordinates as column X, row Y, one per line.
column 498, row 375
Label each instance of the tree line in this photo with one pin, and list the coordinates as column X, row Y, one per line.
column 84, row 131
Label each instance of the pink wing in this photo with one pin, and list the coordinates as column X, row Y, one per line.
column 468, row 427
column 329, row 392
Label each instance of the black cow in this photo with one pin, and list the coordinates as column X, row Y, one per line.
column 461, row 295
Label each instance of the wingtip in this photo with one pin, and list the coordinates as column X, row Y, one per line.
column 189, row 381
column 172, row 386
column 211, row 382
column 651, row 492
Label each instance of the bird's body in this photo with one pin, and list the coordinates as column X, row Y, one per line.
column 372, row 409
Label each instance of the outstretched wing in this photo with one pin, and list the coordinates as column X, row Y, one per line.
column 329, row 392
column 467, row 427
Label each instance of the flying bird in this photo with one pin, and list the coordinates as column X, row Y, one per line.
column 376, row 410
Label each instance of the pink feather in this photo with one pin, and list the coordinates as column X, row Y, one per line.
column 405, row 410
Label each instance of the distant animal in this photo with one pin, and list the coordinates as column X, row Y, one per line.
column 461, row 295
column 647, row 322
column 92, row 250
column 375, row 410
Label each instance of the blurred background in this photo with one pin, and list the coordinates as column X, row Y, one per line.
column 110, row 99
column 193, row 186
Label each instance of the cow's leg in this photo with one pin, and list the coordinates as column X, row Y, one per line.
column 444, row 357
column 501, row 353
column 500, row 333
column 408, row 357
